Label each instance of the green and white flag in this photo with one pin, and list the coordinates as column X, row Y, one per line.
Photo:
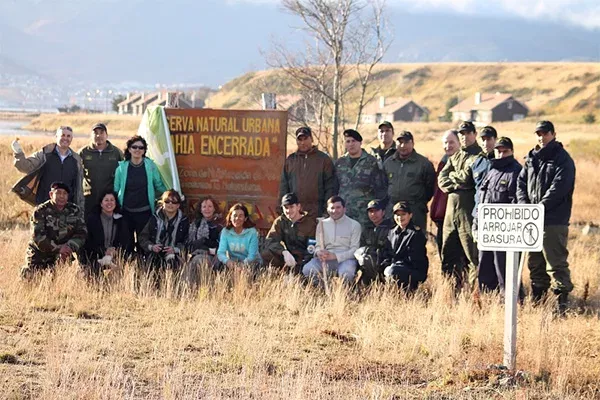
column 155, row 130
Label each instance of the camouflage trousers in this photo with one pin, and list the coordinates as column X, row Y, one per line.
column 37, row 261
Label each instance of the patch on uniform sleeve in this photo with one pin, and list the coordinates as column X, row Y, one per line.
column 417, row 228
column 503, row 182
column 390, row 175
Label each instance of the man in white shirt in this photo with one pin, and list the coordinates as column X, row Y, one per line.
column 338, row 237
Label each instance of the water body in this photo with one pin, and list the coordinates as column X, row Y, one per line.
column 14, row 128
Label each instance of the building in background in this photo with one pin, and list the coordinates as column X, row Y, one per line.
column 485, row 108
column 393, row 109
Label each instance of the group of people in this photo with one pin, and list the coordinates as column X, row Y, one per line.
column 101, row 202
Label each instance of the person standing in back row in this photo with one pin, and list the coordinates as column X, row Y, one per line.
column 411, row 178
column 310, row 174
column 456, row 179
column 100, row 159
column 387, row 146
column 548, row 178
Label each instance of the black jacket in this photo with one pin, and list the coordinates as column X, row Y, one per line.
column 500, row 184
column 94, row 244
column 548, row 178
column 407, row 248
column 195, row 243
column 172, row 233
column 373, row 239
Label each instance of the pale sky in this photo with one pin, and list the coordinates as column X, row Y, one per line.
column 584, row 13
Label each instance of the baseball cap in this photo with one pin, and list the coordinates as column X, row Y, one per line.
column 353, row 134
column 504, row 142
column 488, row 131
column 303, row 131
column 100, row 125
column 386, row 124
column 402, row 206
column 544, row 126
column 466, row 126
column 405, row 135
column 59, row 185
column 376, row 204
column 289, row 199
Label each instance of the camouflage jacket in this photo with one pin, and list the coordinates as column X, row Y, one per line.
column 360, row 184
column 295, row 235
column 52, row 228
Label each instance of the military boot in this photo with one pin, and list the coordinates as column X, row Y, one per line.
column 537, row 295
column 562, row 303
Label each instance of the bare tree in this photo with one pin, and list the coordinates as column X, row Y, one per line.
column 335, row 29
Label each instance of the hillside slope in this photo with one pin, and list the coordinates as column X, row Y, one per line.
column 564, row 91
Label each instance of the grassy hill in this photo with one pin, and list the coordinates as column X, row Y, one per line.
column 563, row 91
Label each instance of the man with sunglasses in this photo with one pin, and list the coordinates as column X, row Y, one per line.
column 100, row 159
column 55, row 162
column 548, row 178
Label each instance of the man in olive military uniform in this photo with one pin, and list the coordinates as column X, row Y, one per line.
column 100, row 159
column 411, row 178
column 406, row 260
column 373, row 238
column 387, row 146
column 286, row 243
column 456, row 179
column 58, row 231
column 359, row 177
column 548, row 178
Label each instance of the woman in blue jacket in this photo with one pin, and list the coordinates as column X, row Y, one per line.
column 138, row 185
column 239, row 239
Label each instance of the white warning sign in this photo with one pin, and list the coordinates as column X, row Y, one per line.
column 510, row 227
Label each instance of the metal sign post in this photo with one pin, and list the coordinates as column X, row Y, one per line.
column 511, row 228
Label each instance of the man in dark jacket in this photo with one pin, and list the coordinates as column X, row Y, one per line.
column 387, row 146
column 373, row 239
column 100, row 159
column 310, row 174
column 55, row 162
column 548, row 178
column 406, row 262
column 456, row 179
column 411, row 178
column 286, row 243
column 498, row 187
column 481, row 166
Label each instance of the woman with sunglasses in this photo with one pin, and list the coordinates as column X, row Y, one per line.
column 164, row 236
column 138, row 184
column 239, row 239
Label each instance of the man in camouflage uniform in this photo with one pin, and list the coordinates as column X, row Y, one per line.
column 286, row 243
column 58, row 231
column 387, row 146
column 373, row 240
column 359, row 176
column 411, row 178
column 456, row 179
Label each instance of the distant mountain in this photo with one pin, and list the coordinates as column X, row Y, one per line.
column 213, row 41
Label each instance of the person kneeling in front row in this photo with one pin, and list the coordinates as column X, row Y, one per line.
column 406, row 262
column 338, row 237
column 239, row 239
column 286, row 244
column 164, row 236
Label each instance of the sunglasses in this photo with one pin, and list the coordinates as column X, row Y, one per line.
column 169, row 201
column 135, row 147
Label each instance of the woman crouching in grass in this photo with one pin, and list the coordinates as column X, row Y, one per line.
column 108, row 239
column 164, row 236
column 239, row 239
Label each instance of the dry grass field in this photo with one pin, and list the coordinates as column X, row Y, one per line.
column 272, row 337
